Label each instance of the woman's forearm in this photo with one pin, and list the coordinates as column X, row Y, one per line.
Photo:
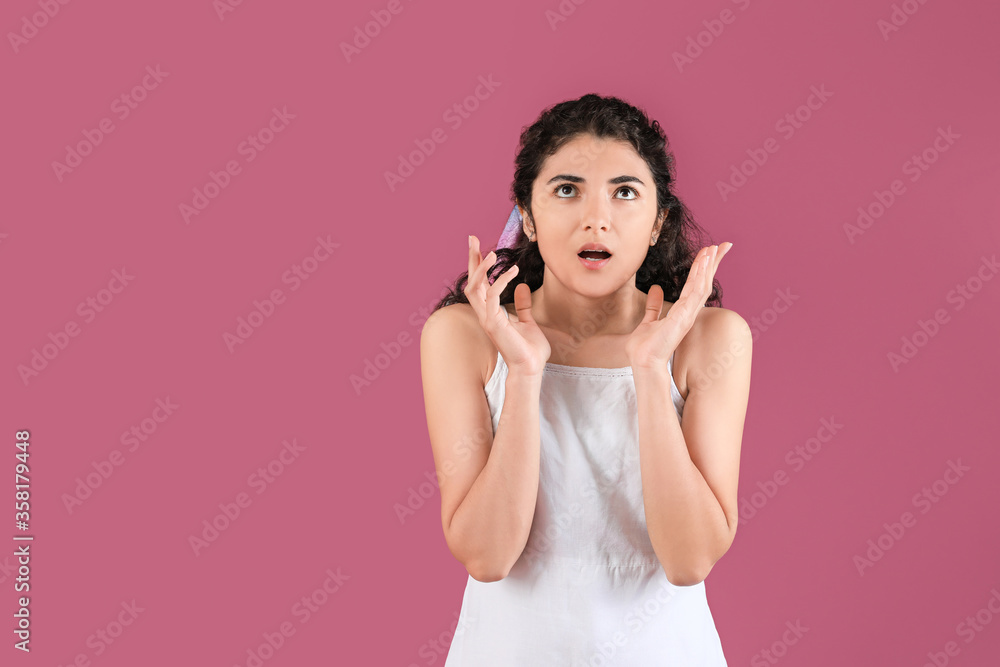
column 493, row 520
column 686, row 523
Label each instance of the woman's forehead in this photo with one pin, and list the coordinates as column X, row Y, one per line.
column 595, row 159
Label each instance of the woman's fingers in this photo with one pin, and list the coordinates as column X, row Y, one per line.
column 477, row 266
column 717, row 252
column 723, row 249
column 473, row 254
column 697, row 287
column 522, row 303
column 709, row 270
column 483, row 269
column 702, row 272
column 500, row 284
column 695, row 274
column 476, row 262
column 483, row 297
column 654, row 303
column 479, row 279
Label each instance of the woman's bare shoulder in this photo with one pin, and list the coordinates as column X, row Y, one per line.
column 716, row 335
column 714, row 331
column 720, row 324
column 454, row 330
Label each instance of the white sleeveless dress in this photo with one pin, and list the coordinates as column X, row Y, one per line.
column 588, row 589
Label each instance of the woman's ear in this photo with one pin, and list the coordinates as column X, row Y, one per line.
column 527, row 228
column 658, row 226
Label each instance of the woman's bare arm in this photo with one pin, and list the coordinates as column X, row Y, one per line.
column 690, row 475
column 488, row 482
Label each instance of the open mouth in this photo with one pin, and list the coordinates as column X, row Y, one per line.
column 594, row 255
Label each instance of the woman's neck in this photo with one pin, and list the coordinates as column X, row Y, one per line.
column 579, row 315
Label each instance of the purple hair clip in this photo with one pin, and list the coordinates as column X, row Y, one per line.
column 509, row 236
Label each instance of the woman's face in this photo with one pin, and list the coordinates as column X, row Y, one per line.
column 593, row 191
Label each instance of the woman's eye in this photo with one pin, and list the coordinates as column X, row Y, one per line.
column 559, row 189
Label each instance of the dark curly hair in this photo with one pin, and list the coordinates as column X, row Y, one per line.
column 667, row 263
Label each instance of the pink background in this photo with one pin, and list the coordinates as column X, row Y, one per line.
column 364, row 452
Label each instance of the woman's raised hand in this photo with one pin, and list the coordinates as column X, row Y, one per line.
column 655, row 339
column 522, row 344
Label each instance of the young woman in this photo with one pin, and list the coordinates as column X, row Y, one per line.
column 586, row 409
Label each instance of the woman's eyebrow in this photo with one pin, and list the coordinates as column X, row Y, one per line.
column 578, row 179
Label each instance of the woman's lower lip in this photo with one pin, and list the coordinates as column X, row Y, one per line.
column 592, row 264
